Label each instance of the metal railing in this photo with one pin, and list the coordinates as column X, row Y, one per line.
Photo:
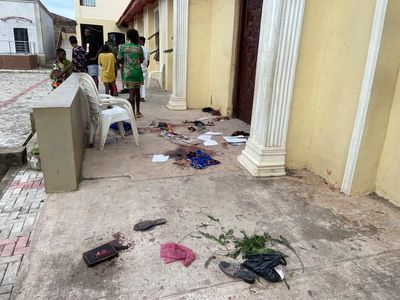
column 17, row 47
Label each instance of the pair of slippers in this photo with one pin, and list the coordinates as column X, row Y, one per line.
column 149, row 224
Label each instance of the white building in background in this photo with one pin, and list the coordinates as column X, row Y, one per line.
column 26, row 28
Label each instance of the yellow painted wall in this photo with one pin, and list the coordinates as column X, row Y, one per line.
column 106, row 13
column 223, row 51
column 148, row 30
column 380, row 104
column 104, row 9
column 333, row 50
column 211, row 48
column 387, row 181
column 170, row 44
column 199, row 38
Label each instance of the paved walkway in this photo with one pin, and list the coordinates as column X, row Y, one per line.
column 18, row 93
column 350, row 246
column 19, row 208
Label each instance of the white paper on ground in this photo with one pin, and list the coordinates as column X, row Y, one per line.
column 160, row 158
column 235, row 139
column 204, row 137
column 210, row 143
column 280, row 271
column 213, row 133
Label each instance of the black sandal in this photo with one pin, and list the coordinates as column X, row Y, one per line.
column 147, row 225
column 237, row 271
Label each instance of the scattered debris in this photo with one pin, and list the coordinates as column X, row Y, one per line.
column 119, row 246
column 149, row 224
column 207, row 109
column 241, row 133
column 127, row 127
column 158, row 124
column 210, row 143
column 171, row 252
column 221, row 119
column 191, row 129
column 214, row 133
column 204, row 137
column 180, row 154
column 179, row 139
column 240, row 139
column 159, row 158
column 214, row 112
column 201, row 160
column 100, row 254
column 260, row 259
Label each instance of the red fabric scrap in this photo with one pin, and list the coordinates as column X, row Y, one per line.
column 171, row 252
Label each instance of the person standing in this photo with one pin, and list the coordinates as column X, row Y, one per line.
column 107, row 63
column 130, row 55
column 92, row 49
column 78, row 56
column 145, row 65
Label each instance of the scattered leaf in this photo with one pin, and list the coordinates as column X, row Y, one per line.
column 207, row 263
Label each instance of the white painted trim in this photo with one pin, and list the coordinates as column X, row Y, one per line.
column 280, row 33
column 365, row 95
column 178, row 99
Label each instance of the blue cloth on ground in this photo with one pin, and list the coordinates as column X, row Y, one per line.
column 201, row 160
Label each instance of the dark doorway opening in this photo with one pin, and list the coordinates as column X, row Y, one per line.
column 117, row 38
column 249, row 34
column 21, row 40
column 97, row 33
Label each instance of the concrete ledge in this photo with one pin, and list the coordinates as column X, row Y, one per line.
column 33, row 71
column 14, row 156
column 21, row 62
column 61, row 124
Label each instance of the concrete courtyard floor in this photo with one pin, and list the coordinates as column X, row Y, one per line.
column 350, row 246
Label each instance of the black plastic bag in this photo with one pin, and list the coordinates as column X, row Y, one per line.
column 264, row 265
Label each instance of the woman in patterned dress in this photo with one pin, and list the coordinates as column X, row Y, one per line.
column 131, row 56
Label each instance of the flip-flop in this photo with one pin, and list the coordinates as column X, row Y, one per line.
column 147, row 225
column 237, row 271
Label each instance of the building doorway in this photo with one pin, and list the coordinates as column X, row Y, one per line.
column 250, row 22
column 97, row 33
column 21, row 40
column 116, row 38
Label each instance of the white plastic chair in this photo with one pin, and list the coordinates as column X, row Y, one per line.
column 157, row 76
column 102, row 117
column 102, row 96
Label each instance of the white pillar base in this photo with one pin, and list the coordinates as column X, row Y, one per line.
column 262, row 161
column 177, row 103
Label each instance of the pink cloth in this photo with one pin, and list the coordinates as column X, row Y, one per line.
column 171, row 252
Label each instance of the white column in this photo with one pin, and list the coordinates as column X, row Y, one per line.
column 280, row 32
column 365, row 94
column 181, row 18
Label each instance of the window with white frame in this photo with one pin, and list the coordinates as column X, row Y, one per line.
column 91, row 3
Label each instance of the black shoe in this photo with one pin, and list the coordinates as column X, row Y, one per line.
column 147, row 225
column 142, row 100
column 237, row 271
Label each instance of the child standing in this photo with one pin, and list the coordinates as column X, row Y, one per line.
column 131, row 56
column 107, row 63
